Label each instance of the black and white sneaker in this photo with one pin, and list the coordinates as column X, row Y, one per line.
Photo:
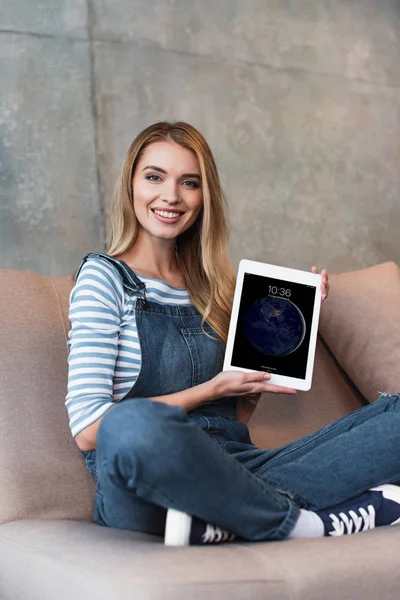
column 377, row 507
column 184, row 530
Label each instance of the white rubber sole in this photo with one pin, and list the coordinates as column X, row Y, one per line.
column 177, row 528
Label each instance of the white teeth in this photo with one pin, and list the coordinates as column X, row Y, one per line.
column 167, row 215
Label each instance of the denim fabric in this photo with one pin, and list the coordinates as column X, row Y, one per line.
column 151, row 456
column 175, row 353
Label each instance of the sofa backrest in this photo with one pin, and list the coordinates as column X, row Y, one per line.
column 42, row 473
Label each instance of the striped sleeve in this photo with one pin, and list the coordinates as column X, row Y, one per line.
column 95, row 312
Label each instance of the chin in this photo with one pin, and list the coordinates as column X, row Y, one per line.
column 164, row 235
column 168, row 233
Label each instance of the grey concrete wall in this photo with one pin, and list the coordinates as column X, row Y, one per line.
column 300, row 102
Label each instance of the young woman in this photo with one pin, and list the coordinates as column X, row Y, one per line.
column 161, row 427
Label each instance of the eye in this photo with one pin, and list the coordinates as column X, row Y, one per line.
column 190, row 183
column 153, row 177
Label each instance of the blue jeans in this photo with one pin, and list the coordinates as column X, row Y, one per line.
column 152, row 456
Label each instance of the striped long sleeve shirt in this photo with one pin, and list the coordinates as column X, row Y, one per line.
column 104, row 350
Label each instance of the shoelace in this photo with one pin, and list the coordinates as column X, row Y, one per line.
column 352, row 522
column 214, row 535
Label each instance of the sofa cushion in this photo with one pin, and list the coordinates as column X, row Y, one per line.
column 65, row 560
column 360, row 322
column 42, row 473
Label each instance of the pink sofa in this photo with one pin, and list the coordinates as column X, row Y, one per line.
column 50, row 549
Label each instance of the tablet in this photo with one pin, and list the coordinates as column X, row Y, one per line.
column 274, row 323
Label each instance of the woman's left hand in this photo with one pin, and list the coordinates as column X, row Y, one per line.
column 324, row 283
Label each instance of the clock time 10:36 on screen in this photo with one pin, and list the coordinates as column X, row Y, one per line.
column 273, row 289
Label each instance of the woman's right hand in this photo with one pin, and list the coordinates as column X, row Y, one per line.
column 238, row 383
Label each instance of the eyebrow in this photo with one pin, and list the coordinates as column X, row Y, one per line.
column 160, row 170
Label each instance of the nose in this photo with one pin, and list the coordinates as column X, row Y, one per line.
column 170, row 193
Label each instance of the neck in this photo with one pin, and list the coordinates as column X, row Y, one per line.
column 153, row 256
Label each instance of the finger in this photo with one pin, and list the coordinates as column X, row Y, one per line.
column 314, row 270
column 324, row 288
column 324, row 278
column 277, row 389
column 258, row 376
column 271, row 388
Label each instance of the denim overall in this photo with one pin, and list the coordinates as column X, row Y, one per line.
column 151, row 456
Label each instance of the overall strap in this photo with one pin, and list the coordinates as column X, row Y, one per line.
column 129, row 277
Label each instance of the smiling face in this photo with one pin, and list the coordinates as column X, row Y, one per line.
column 167, row 195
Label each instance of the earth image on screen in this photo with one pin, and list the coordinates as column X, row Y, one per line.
column 274, row 326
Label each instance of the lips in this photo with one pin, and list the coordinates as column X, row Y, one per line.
column 161, row 215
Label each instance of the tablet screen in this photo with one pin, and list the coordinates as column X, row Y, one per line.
column 274, row 326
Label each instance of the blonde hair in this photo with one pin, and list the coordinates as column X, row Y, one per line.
column 202, row 250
